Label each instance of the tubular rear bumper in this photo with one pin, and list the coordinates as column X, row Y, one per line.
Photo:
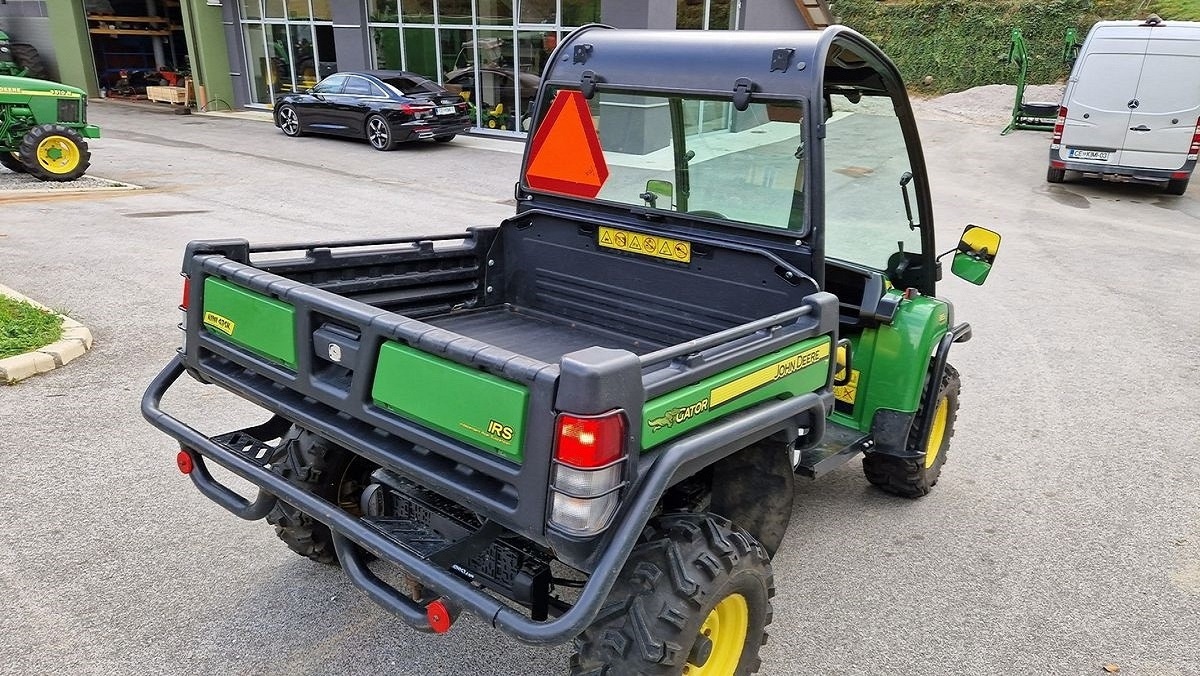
column 352, row 536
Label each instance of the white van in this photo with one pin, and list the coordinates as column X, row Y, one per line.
column 1131, row 110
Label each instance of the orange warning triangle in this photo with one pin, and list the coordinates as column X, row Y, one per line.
column 565, row 155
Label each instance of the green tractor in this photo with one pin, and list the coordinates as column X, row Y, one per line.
column 20, row 59
column 42, row 128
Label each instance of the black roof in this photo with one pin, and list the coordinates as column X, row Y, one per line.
column 786, row 64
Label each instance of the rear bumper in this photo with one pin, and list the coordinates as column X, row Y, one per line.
column 1122, row 174
column 353, row 535
column 423, row 129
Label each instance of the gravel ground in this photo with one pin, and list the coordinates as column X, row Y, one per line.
column 987, row 105
column 24, row 183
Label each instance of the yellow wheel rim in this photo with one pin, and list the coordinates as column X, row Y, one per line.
column 937, row 432
column 58, row 154
column 726, row 626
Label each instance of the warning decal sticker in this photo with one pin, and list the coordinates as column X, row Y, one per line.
column 647, row 245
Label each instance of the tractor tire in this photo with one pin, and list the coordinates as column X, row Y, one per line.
column 695, row 593
column 915, row 477
column 329, row 472
column 12, row 162
column 52, row 152
column 1056, row 175
column 27, row 57
column 379, row 133
column 1177, row 186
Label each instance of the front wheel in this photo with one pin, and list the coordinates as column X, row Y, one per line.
column 914, row 477
column 1177, row 186
column 379, row 133
column 52, row 152
column 694, row 598
column 289, row 121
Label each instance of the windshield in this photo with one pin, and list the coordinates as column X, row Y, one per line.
column 700, row 156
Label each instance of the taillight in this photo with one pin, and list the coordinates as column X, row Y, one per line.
column 1194, row 151
column 1061, row 122
column 187, row 292
column 588, row 473
column 416, row 111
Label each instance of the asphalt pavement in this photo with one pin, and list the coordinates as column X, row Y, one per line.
column 1064, row 534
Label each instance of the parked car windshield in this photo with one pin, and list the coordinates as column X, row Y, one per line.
column 729, row 164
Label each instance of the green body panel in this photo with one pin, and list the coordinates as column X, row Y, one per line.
column 891, row 361
column 477, row 407
column 254, row 321
column 26, row 103
column 795, row 370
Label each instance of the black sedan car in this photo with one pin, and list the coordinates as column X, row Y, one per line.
column 385, row 107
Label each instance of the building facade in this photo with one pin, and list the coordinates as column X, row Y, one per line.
column 244, row 53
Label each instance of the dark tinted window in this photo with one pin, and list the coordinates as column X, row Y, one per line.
column 357, row 85
column 376, row 90
column 410, row 86
column 330, row 85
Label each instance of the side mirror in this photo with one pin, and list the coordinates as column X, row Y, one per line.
column 656, row 188
column 975, row 254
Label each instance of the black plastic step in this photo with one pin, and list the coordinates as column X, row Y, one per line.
column 839, row 445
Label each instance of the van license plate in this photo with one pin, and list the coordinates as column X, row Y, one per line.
column 449, row 110
column 1101, row 155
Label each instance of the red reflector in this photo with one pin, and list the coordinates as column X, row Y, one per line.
column 565, row 155
column 1058, row 165
column 1180, row 176
column 589, row 442
column 439, row 617
column 187, row 292
column 184, row 461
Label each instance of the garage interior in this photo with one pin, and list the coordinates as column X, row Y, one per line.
column 140, row 50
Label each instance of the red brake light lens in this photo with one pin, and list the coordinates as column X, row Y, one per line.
column 1059, row 124
column 187, row 292
column 590, row 442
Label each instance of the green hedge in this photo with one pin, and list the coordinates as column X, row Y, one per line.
column 964, row 43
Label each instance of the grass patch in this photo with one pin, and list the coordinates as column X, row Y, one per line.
column 24, row 327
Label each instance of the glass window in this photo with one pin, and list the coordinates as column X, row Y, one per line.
column 298, row 9
column 577, row 13
column 409, row 86
column 865, row 156
column 331, row 85
column 324, row 57
column 417, row 11
column 454, row 11
column 251, row 9
column 275, row 9
column 321, row 11
column 382, row 11
column 747, row 171
column 387, row 48
column 262, row 69
column 420, row 51
column 538, row 11
column 494, row 12
column 377, row 91
column 357, row 86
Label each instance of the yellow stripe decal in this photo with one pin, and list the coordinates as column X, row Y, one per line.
column 767, row 374
column 56, row 93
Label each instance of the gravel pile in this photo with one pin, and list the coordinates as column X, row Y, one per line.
column 13, row 182
column 989, row 105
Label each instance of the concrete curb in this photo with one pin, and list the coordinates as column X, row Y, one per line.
column 75, row 341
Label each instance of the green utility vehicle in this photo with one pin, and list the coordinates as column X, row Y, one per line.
column 584, row 424
column 42, row 128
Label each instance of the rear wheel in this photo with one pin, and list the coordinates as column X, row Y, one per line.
column 693, row 598
column 329, row 472
column 379, row 133
column 289, row 121
column 1177, row 186
column 915, row 477
column 12, row 162
column 27, row 57
column 1056, row 175
column 52, row 152
column 444, row 139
